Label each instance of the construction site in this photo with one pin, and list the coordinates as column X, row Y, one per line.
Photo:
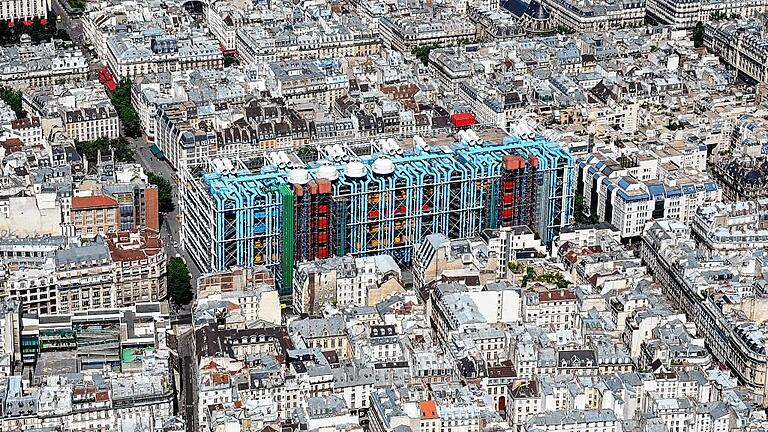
column 382, row 202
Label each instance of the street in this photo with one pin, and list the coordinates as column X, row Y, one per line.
column 169, row 232
column 188, row 371
column 170, row 228
column 71, row 24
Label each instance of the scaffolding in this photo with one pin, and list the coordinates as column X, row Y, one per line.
column 386, row 202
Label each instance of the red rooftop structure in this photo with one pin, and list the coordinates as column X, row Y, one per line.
column 463, row 120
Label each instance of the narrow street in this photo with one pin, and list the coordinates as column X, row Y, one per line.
column 169, row 231
column 188, row 380
column 72, row 24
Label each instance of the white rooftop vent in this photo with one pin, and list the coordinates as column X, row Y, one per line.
column 328, row 172
column 355, row 169
column 298, row 176
column 383, row 166
column 420, row 143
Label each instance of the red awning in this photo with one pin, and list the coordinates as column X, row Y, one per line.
column 227, row 51
column 11, row 24
column 463, row 119
column 28, row 23
column 43, row 21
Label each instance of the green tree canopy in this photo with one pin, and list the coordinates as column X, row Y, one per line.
column 580, row 215
column 179, row 281
column 13, row 99
column 698, row 35
column 89, row 149
column 422, row 53
column 121, row 100
column 164, row 192
column 230, row 60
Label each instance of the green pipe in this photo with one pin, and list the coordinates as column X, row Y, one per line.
column 286, row 193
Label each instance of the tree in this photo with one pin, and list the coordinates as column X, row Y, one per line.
column 36, row 31
column 516, row 267
column 179, row 281
column 164, row 192
column 422, row 53
column 121, row 100
column 698, row 35
column 230, row 60
column 90, row 149
column 13, row 99
column 77, row 6
column 580, row 215
column 554, row 278
column 530, row 274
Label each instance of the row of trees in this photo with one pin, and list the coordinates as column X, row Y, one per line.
column 164, row 192
column 90, row 149
column 698, row 35
column 179, row 281
column 38, row 31
column 129, row 118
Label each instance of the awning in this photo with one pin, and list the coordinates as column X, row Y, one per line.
column 157, row 152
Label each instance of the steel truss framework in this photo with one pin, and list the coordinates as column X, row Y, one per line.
column 261, row 219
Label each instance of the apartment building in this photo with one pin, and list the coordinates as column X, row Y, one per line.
column 723, row 229
column 19, row 10
column 94, row 215
column 28, row 130
column 152, row 93
column 685, row 14
column 406, row 31
column 345, row 281
column 322, row 333
column 300, row 81
column 34, row 286
column 27, row 65
column 741, row 44
column 139, row 265
column 340, row 36
column 155, row 51
column 89, row 124
column 552, row 308
column 566, row 421
column 734, row 338
column 596, row 16
column 84, row 277
column 632, row 191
